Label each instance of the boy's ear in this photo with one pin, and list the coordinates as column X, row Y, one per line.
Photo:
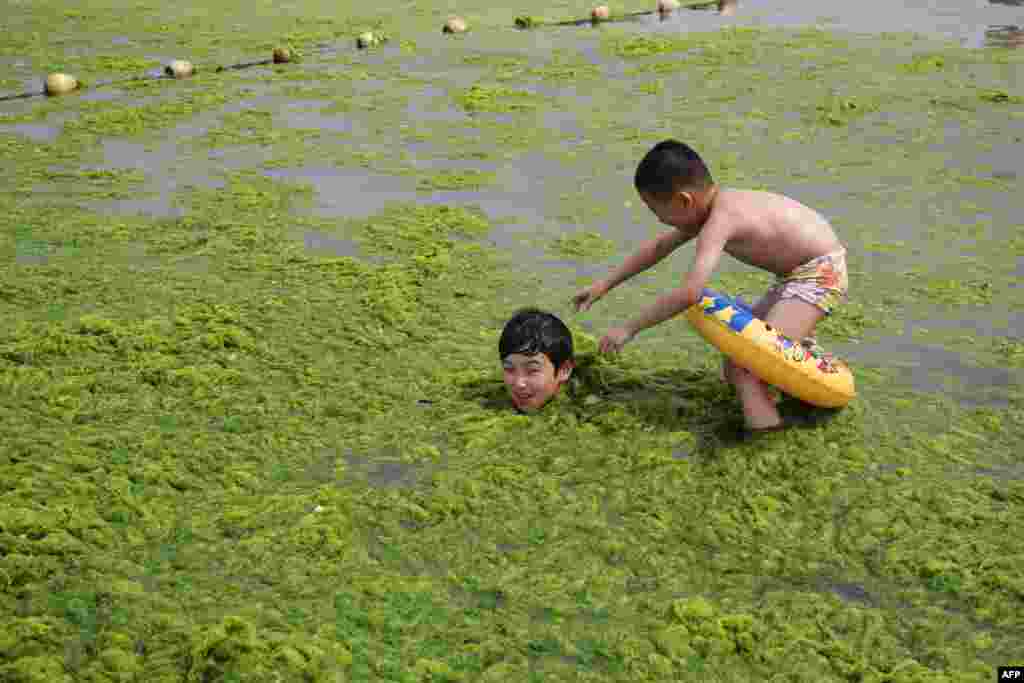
column 685, row 197
column 565, row 371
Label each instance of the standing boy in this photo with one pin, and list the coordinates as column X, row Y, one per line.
column 761, row 229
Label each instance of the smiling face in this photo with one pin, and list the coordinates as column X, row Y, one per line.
column 532, row 380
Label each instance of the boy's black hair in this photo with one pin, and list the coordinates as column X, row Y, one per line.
column 670, row 166
column 531, row 331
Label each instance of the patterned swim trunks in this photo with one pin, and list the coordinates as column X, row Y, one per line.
column 821, row 282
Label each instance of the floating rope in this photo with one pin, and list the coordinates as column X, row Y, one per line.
column 284, row 55
column 281, row 56
column 526, row 22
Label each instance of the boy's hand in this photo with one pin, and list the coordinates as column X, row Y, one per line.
column 589, row 296
column 615, row 340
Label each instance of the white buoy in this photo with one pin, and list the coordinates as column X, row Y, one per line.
column 727, row 8
column 58, row 84
column 600, row 13
column 179, row 68
column 667, row 6
column 454, row 25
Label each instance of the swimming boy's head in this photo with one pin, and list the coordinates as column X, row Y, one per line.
column 675, row 184
column 536, row 357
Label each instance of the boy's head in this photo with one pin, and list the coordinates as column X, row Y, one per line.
column 675, row 184
column 536, row 357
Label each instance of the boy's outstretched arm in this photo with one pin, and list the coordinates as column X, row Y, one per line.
column 648, row 254
column 709, row 252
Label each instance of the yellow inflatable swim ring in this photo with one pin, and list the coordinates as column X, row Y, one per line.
column 732, row 328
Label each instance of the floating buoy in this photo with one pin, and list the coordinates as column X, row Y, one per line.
column 179, row 68
column 600, row 13
column 282, row 55
column 58, row 84
column 366, row 40
column 454, row 25
column 727, row 8
column 667, row 6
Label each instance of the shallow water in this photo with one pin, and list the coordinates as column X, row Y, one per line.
column 973, row 24
column 353, row 193
column 36, row 131
column 931, row 368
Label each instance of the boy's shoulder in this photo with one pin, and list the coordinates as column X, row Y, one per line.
column 734, row 211
column 733, row 194
column 746, row 202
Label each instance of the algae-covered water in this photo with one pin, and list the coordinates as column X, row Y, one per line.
column 253, row 426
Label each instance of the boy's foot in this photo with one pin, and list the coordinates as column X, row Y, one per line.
column 771, row 428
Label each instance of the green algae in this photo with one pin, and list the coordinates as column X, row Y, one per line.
column 578, row 543
column 116, row 65
column 730, row 46
column 526, row 21
column 1011, row 350
column 583, row 244
column 926, row 63
column 129, row 121
column 455, row 180
column 951, row 291
column 494, row 99
column 251, row 126
column 838, row 110
column 564, row 68
column 498, row 61
column 997, row 96
column 408, row 230
column 643, row 46
column 655, row 87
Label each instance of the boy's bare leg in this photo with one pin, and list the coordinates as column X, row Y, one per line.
column 796, row 319
column 759, row 411
column 760, row 310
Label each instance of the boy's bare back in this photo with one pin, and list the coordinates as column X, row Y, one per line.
column 768, row 230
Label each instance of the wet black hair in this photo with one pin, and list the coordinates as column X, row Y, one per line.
column 671, row 166
column 531, row 331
